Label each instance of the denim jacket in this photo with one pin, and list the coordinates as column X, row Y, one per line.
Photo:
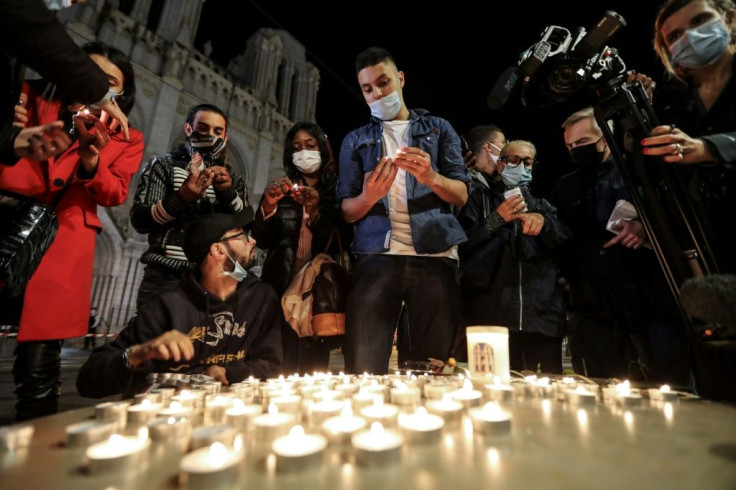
column 434, row 227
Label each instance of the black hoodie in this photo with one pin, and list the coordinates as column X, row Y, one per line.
column 242, row 334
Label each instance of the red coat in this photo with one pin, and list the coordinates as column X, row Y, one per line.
column 57, row 298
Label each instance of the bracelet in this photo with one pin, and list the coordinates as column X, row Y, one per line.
column 126, row 358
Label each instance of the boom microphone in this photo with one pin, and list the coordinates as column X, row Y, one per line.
column 503, row 88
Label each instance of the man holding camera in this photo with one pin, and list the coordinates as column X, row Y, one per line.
column 624, row 322
column 177, row 186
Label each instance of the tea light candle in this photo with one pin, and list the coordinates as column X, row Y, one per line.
column 490, row 419
column 151, row 397
column 16, row 437
column 386, row 414
column 580, row 396
column 467, row 395
column 176, row 409
column 113, row 411
column 207, row 435
column 166, row 394
column 377, row 446
column 243, row 392
column 447, row 408
column 214, row 466
column 214, row 410
column 361, row 399
column 120, row 453
column 627, row 396
column 499, row 392
column 435, row 391
column 340, row 429
column 421, row 427
column 298, row 450
column 326, row 394
column 169, row 428
column 662, row 394
column 288, row 403
column 143, row 412
column 241, row 415
column 89, row 432
column 273, row 424
column 403, row 395
column 185, row 398
column 319, row 411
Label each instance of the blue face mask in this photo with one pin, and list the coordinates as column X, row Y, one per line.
column 238, row 273
column 57, row 4
column 513, row 176
column 386, row 108
column 701, row 46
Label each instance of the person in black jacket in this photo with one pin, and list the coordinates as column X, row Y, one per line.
column 624, row 321
column 509, row 264
column 299, row 212
column 31, row 35
column 220, row 320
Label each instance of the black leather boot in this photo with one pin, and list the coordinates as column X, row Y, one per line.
column 37, row 376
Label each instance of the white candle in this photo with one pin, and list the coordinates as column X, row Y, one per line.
column 377, row 446
column 170, row 428
column 387, row 415
column 466, row 395
column 490, row 419
column 16, row 437
column 207, row 435
column 319, row 411
column 421, row 427
column 89, row 432
column 580, row 396
column 488, row 351
column 273, row 424
column 288, row 403
column 176, row 409
column 662, row 394
column 298, row 450
column 447, row 408
column 340, row 429
column 241, row 415
column 214, row 466
column 403, row 395
column 120, row 453
column 143, row 412
column 361, row 399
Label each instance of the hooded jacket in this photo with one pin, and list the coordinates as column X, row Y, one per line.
column 241, row 333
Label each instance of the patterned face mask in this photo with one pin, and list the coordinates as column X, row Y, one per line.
column 207, row 145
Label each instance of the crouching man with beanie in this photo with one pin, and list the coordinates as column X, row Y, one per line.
column 219, row 321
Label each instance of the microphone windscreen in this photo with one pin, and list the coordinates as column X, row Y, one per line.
column 710, row 298
column 503, row 87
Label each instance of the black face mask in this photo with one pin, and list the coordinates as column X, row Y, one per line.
column 587, row 156
column 209, row 146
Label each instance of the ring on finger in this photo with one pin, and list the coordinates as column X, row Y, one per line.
column 678, row 149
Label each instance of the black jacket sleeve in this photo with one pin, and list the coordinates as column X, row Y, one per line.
column 33, row 34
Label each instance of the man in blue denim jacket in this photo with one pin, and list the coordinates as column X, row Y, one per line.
column 400, row 175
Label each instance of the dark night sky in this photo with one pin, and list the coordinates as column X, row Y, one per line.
column 451, row 54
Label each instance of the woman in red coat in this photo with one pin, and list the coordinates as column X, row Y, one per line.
column 100, row 163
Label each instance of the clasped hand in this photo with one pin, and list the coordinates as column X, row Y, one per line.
column 674, row 146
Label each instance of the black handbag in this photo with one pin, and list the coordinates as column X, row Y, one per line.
column 27, row 229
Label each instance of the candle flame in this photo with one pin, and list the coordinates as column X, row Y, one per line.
column 296, row 431
column 146, row 403
column 143, row 434
column 171, row 420
column 376, row 428
column 492, row 408
column 175, row 405
column 347, row 411
column 467, row 384
column 446, row 398
column 216, row 454
column 238, row 404
column 377, row 401
column 238, row 443
column 421, row 411
column 664, row 388
column 185, row 394
column 116, row 439
column 273, row 409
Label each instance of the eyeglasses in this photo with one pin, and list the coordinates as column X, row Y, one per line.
column 245, row 234
column 514, row 161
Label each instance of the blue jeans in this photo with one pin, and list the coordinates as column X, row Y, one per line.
column 430, row 288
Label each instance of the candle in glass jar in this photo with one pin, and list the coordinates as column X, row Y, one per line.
column 297, row 450
column 120, row 453
column 377, row 446
column 212, row 467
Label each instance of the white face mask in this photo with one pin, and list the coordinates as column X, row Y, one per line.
column 386, row 108
column 57, row 4
column 307, row 161
column 238, row 273
column 494, row 158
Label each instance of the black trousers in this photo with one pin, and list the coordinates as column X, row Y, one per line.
column 37, row 376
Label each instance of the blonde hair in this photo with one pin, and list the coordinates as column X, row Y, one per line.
column 666, row 11
column 528, row 144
